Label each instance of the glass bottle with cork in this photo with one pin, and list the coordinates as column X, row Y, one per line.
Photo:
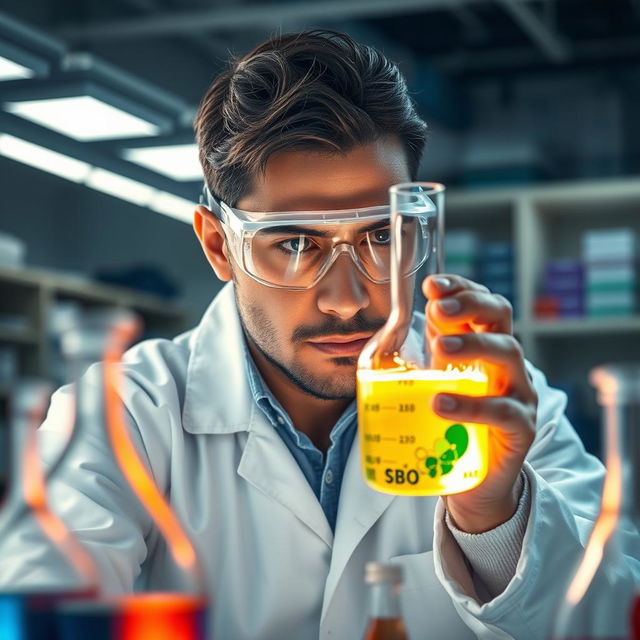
column 385, row 618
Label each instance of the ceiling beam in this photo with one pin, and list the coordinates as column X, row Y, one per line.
column 256, row 15
column 551, row 43
column 439, row 98
column 475, row 30
column 208, row 46
column 518, row 58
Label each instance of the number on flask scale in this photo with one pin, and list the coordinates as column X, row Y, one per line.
column 407, row 439
column 406, row 407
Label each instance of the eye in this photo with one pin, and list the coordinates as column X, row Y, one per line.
column 382, row 236
column 299, row 244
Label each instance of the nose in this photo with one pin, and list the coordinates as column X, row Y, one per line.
column 342, row 292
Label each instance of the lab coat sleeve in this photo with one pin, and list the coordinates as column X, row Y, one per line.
column 92, row 497
column 565, row 484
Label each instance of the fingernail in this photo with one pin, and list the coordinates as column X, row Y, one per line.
column 449, row 306
column 451, row 343
column 442, row 283
column 446, row 403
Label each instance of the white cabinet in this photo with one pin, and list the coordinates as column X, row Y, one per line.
column 548, row 222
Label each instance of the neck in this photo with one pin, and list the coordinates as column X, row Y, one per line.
column 315, row 417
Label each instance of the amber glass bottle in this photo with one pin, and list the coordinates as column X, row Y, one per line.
column 385, row 619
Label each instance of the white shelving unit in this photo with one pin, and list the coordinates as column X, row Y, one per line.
column 545, row 222
column 26, row 299
column 27, row 295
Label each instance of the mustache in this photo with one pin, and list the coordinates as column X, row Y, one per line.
column 358, row 324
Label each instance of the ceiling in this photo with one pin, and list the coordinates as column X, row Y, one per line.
column 180, row 44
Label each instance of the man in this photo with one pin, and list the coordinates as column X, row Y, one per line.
column 248, row 422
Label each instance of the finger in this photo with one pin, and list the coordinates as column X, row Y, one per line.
column 500, row 354
column 507, row 414
column 445, row 284
column 474, row 310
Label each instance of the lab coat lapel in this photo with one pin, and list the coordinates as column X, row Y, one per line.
column 360, row 507
column 216, row 371
column 268, row 465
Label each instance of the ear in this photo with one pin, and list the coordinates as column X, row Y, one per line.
column 213, row 242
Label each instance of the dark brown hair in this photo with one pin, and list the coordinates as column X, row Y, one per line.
column 315, row 89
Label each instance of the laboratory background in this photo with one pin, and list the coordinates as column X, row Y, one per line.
column 533, row 110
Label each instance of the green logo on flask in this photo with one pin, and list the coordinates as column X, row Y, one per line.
column 447, row 451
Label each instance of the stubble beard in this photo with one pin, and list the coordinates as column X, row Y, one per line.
column 261, row 333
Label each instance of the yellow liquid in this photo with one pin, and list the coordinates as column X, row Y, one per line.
column 406, row 448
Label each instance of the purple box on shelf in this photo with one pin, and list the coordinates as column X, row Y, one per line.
column 563, row 284
column 571, row 305
column 564, row 267
column 564, row 275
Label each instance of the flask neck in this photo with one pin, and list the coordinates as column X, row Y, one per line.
column 384, row 600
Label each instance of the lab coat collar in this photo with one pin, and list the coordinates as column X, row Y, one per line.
column 217, row 395
column 218, row 400
column 269, row 466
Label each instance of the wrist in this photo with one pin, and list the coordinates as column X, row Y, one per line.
column 485, row 516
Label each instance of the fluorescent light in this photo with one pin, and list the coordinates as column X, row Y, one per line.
column 102, row 180
column 170, row 205
column 42, row 158
column 10, row 70
column 120, row 187
column 177, row 161
column 83, row 117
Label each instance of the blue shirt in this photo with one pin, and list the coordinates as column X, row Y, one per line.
column 324, row 475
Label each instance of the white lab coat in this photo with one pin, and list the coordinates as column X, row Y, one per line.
column 275, row 569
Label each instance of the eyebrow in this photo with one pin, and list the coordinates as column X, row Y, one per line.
column 293, row 229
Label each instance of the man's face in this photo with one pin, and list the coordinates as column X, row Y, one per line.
column 302, row 333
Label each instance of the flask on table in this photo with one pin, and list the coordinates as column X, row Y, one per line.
column 406, row 448
column 384, row 581
column 41, row 561
column 598, row 604
column 96, row 345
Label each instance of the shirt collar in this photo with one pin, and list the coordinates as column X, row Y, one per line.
column 271, row 406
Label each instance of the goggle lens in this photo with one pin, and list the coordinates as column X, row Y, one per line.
column 298, row 257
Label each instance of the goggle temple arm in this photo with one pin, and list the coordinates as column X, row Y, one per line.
column 211, row 202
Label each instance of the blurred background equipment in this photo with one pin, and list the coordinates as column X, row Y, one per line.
column 56, row 592
column 592, row 607
column 532, row 108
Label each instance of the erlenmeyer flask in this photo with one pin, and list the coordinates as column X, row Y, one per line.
column 104, row 336
column 53, row 565
column 598, row 604
column 406, row 448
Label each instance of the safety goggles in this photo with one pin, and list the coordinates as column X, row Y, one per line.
column 295, row 249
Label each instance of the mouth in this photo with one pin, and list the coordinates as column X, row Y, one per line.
column 341, row 345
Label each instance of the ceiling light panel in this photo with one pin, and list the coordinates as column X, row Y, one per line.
column 178, row 161
column 42, row 158
column 124, row 188
column 173, row 206
column 10, row 70
column 83, row 118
